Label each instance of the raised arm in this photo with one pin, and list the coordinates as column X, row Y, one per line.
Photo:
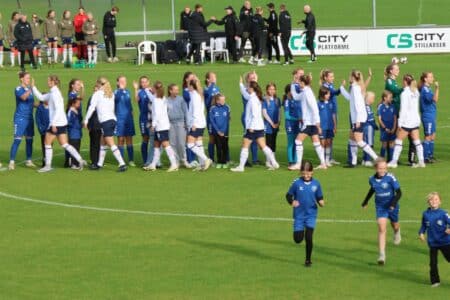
column 244, row 92
column 41, row 97
column 294, row 93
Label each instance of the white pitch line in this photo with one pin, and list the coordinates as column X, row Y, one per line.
column 177, row 214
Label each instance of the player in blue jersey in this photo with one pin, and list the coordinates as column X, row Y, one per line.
column 387, row 118
column 304, row 195
column 211, row 89
column 272, row 115
column 125, row 121
column 142, row 91
column 436, row 224
column 219, row 117
column 387, row 194
column 290, row 125
column 327, row 122
column 74, row 129
column 42, row 122
column 23, row 121
column 428, row 101
column 249, row 77
column 75, row 92
column 327, row 80
column 369, row 128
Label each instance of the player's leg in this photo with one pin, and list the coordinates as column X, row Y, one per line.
column 415, row 137
column 358, row 136
column 382, row 224
column 299, row 150
column 49, row 138
column 319, row 151
column 63, row 141
column 299, row 236
column 309, row 245
column 434, row 271
column 211, row 145
column 130, row 150
column 109, row 140
column 171, row 155
column 401, row 135
column 270, row 157
column 144, row 148
column 243, row 156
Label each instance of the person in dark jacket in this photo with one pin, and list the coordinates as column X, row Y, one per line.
column 310, row 31
column 272, row 34
column 184, row 18
column 285, row 22
column 231, row 31
column 24, row 40
column 95, row 136
column 245, row 17
column 257, row 31
column 109, row 24
column 198, row 32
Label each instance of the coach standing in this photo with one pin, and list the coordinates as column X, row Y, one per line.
column 272, row 35
column 231, row 31
column 198, row 32
column 109, row 24
column 310, row 31
column 24, row 40
column 245, row 17
column 285, row 34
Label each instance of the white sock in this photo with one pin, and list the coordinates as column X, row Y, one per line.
column 48, row 156
column 299, row 151
column 367, row 149
column 70, row 53
column 243, row 158
column 89, row 50
column 73, row 152
column 354, row 151
column 397, row 150
column 1, row 58
column 49, row 54
column 55, row 54
column 327, row 154
column 320, row 152
column 101, row 156
column 116, row 152
column 95, row 54
column 39, row 56
column 156, row 156
column 269, row 155
column 64, row 54
column 419, row 150
column 171, row 155
column 200, row 152
column 11, row 56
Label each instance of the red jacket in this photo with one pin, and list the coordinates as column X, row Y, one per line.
column 78, row 22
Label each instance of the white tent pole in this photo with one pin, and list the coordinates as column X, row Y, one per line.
column 173, row 20
column 144, row 17
column 374, row 13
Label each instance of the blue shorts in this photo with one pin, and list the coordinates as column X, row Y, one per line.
column 387, row 137
column 309, row 130
column 392, row 215
column 66, row 40
column 51, row 40
column 108, row 128
column 256, row 134
column 59, row 130
column 196, row 133
column 291, row 126
column 360, row 129
column 162, row 136
column 23, row 127
column 36, row 43
column 429, row 126
column 304, row 221
column 145, row 131
column 327, row 134
column 125, row 127
column 369, row 134
column 92, row 43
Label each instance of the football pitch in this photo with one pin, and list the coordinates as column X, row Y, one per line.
column 215, row 234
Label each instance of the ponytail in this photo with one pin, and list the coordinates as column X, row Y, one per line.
column 306, row 79
column 257, row 89
column 323, row 75
column 105, row 85
column 411, row 82
column 388, row 70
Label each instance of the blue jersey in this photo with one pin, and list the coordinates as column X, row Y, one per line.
column 72, row 96
column 123, row 106
column 326, row 113
column 427, row 104
column 387, row 113
column 273, row 110
column 219, row 117
column 287, row 108
column 74, row 127
column 308, row 193
column 42, row 118
column 143, row 101
column 186, row 96
column 333, row 95
column 370, row 117
column 435, row 222
column 209, row 94
column 384, row 188
column 24, row 108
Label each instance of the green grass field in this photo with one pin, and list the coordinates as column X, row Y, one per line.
column 104, row 235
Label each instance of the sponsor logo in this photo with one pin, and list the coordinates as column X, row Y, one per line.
column 417, row 40
column 321, row 42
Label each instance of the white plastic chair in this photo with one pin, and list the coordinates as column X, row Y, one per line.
column 204, row 49
column 220, row 48
column 147, row 48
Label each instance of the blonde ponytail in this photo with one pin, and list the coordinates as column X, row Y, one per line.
column 105, row 85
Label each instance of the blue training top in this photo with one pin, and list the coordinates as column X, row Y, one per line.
column 209, row 94
column 427, row 104
column 326, row 112
column 24, row 108
column 387, row 114
column 143, row 101
column 333, row 95
column 435, row 222
column 384, row 188
column 72, row 96
column 273, row 110
column 74, row 127
column 123, row 106
column 219, row 116
column 42, row 118
column 308, row 193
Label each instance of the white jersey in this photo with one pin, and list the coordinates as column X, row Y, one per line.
column 409, row 116
column 196, row 111
column 57, row 115
column 253, row 110
column 160, row 116
column 310, row 110
column 358, row 112
column 104, row 107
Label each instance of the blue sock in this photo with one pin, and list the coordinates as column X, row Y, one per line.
column 29, row 148
column 432, row 149
column 366, row 156
column 228, row 156
column 121, row 149
column 331, row 150
column 383, row 151
column 254, row 148
column 211, row 151
column 426, row 149
column 130, row 151
column 14, row 148
column 391, row 153
column 349, row 154
column 144, row 151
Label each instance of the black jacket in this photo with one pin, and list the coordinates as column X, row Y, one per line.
column 310, row 24
column 245, row 19
column 231, row 25
column 257, row 25
column 285, row 22
column 23, row 35
column 93, row 123
column 184, row 20
column 197, row 28
column 272, row 21
column 109, row 22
